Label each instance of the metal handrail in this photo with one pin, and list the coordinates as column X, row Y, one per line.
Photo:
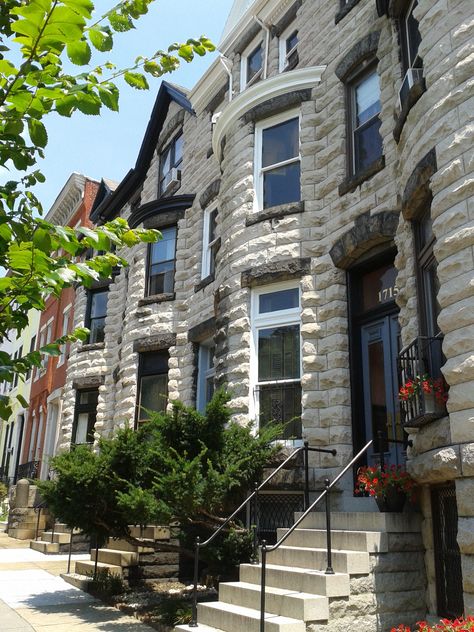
column 199, row 545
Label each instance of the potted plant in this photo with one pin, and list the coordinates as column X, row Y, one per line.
column 462, row 624
column 423, row 398
column 390, row 486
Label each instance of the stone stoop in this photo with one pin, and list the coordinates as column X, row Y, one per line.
column 57, row 541
column 379, row 580
column 122, row 558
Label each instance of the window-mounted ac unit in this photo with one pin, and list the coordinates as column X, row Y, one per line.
column 413, row 75
column 172, row 179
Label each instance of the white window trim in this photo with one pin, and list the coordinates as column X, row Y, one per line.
column 206, row 244
column 353, row 120
column 283, row 55
column 258, row 170
column 264, row 321
column 203, row 373
column 259, row 39
column 66, row 313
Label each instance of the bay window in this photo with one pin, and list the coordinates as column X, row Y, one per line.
column 251, row 68
column 152, row 383
column 96, row 313
column 210, row 243
column 85, row 415
column 365, row 142
column 161, row 263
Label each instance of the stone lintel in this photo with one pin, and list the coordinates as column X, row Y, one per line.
column 170, row 129
column 368, row 231
column 276, row 105
column 275, row 212
column 417, row 194
column 93, row 346
column 88, row 381
column 278, row 28
column 159, row 342
column 202, row 331
column 210, row 193
column 365, row 48
column 170, row 218
column 156, row 298
column 276, row 271
column 204, row 283
column 345, row 9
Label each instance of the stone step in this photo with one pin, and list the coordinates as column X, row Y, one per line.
column 123, row 545
column 352, row 562
column 201, row 628
column 371, row 541
column 61, row 527
column 284, row 602
column 86, row 567
column 44, row 547
column 232, row 618
column 79, row 581
column 407, row 522
column 22, row 533
column 151, row 532
column 60, row 538
column 298, row 579
column 116, row 558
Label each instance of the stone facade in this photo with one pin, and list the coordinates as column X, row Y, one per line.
column 340, row 222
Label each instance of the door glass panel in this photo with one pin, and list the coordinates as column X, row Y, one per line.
column 378, row 287
column 378, row 402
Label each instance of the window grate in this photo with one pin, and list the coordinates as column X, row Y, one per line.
column 449, row 589
column 275, row 511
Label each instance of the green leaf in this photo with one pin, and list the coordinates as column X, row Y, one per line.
column 22, row 400
column 136, row 80
column 79, row 52
column 53, row 349
column 37, row 132
column 66, row 105
column 42, row 240
column 120, row 22
column 88, row 103
column 83, row 7
column 109, row 97
column 186, row 52
column 101, row 38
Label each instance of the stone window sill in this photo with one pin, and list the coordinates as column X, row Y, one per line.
column 275, row 212
column 414, row 94
column 204, row 283
column 352, row 182
column 92, row 346
column 345, row 9
column 156, row 298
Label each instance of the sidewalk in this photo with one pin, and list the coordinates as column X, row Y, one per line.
column 33, row 598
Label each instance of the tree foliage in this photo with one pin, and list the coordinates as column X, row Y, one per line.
column 40, row 42
column 181, row 466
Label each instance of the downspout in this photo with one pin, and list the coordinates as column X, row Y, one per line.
column 266, row 28
column 226, row 62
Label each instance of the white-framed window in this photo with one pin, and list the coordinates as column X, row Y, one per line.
column 251, row 63
column 288, row 45
column 209, row 242
column 277, row 160
column 64, row 332
column 410, row 38
column 170, row 164
column 206, row 375
column 275, row 368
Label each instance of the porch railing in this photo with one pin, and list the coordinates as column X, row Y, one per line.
column 422, row 357
column 27, row 470
column 254, row 496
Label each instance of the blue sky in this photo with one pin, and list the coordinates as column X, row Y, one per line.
column 107, row 146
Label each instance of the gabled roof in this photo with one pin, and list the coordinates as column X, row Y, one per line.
column 111, row 205
column 236, row 13
column 105, row 190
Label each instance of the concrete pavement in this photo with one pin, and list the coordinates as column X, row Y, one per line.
column 33, row 598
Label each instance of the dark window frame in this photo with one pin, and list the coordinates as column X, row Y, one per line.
column 174, row 164
column 149, row 263
column 405, row 38
column 89, row 320
column 353, row 80
column 91, row 409
column 144, row 358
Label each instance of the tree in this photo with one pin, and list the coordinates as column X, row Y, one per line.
column 180, row 466
column 40, row 41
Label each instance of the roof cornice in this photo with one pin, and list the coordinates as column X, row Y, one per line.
column 68, row 200
column 162, row 205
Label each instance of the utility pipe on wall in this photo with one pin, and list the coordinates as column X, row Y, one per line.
column 266, row 28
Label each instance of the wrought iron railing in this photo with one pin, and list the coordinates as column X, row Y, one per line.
column 27, row 470
column 420, row 359
column 255, row 497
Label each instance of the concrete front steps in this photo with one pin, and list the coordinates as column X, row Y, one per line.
column 373, row 556
column 57, row 541
column 118, row 556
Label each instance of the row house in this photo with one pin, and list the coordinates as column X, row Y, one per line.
column 314, row 195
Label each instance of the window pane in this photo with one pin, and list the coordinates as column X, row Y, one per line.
column 165, row 248
column 279, row 353
column 153, row 394
column 89, row 397
column 378, row 287
column 178, row 150
column 367, row 99
column 367, row 144
column 81, row 428
column 254, row 62
column 413, row 36
column 281, row 185
column 280, row 142
column 97, row 328
column 153, row 362
column 276, row 301
column 291, row 41
column 165, row 163
column 161, row 279
column 282, row 404
column 212, row 225
column 98, row 304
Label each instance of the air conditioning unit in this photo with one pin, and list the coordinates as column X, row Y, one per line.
column 413, row 75
column 173, row 178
